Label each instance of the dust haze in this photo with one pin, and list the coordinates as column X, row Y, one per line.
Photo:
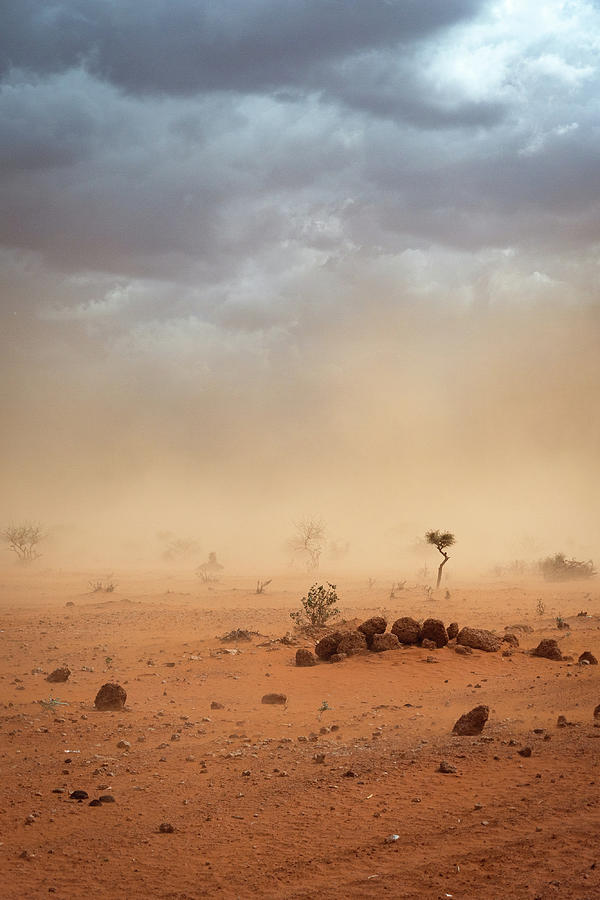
column 342, row 267
column 385, row 416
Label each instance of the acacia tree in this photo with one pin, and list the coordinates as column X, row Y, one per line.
column 441, row 540
column 308, row 541
column 23, row 540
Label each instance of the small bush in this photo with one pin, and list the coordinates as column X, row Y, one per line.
column 559, row 568
column 318, row 606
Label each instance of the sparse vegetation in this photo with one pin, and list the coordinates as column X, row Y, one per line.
column 540, row 607
column 209, row 571
column 559, row 568
column 318, row 607
column 308, row 541
column 261, row 585
column 23, row 541
column 178, row 548
column 396, row 587
column 560, row 623
column 105, row 587
column 440, row 540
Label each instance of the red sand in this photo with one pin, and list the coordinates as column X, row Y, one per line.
column 502, row 826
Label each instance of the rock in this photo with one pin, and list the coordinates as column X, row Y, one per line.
column 59, row 675
column 94, row 803
column 110, row 696
column 407, row 630
column 589, row 658
column 434, row 630
column 478, row 639
column 510, row 638
column 597, row 712
column 78, row 795
column 462, row 651
column 337, row 658
column 166, row 828
column 525, row 751
column 328, row 645
column 452, row 630
column 472, row 723
column 274, row 699
column 123, row 745
column 508, row 652
column 69, row 603
column 305, row 657
column 446, row 768
column 526, row 629
column 428, row 645
column 375, row 625
column 106, row 798
column 548, row 649
column 216, row 705
column 381, row 642
column 352, row 643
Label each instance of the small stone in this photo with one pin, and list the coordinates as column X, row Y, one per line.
column 106, row 798
column 452, row 630
column 446, row 768
column 274, row 699
column 510, row 638
column 525, row 752
column 352, row 643
column 328, row 645
column 382, row 642
column 305, row 658
column 95, row 803
column 407, row 630
column 589, row 658
column 434, row 630
column 166, row 828
column 59, row 675
column 478, row 639
column 78, row 795
column 548, row 649
column 428, row 644
column 29, row 820
column 375, row 625
column 110, row 697
column 123, row 745
column 319, row 758
column 462, row 651
column 472, row 723
column 337, row 657
column 216, row 705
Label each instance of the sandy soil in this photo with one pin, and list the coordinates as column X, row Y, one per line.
column 254, row 815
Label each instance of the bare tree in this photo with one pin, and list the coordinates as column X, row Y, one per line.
column 23, row 540
column 441, row 540
column 308, row 541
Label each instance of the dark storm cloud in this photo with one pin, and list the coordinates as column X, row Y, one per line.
column 186, row 46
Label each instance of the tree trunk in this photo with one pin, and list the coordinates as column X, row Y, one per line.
column 441, row 566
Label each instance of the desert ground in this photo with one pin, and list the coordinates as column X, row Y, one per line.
column 334, row 794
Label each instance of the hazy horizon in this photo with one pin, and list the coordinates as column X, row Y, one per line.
column 267, row 260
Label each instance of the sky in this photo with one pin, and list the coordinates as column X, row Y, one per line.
column 268, row 259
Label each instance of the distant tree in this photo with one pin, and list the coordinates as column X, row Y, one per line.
column 23, row 540
column 308, row 541
column 441, row 540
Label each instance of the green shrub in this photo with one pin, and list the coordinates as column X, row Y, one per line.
column 318, row 606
